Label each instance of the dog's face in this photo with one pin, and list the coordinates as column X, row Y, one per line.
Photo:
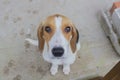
column 59, row 34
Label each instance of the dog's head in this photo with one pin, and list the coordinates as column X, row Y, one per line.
column 59, row 34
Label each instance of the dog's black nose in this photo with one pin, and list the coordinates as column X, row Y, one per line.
column 58, row 51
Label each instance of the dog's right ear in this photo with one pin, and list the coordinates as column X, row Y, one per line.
column 41, row 40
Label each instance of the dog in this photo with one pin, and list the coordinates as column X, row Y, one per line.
column 58, row 41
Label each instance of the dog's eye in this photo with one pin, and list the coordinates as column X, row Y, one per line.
column 67, row 29
column 48, row 29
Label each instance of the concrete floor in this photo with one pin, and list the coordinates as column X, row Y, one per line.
column 21, row 61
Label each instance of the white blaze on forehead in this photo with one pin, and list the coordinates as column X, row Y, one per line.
column 58, row 39
column 58, row 21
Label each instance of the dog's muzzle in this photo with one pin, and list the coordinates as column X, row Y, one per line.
column 57, row 51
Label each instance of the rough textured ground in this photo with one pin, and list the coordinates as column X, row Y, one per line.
column 21, row 61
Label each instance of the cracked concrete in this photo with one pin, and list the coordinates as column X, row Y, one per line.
column 21, row 61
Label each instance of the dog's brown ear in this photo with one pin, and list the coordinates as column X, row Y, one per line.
column 41, row 40
column 74, row 39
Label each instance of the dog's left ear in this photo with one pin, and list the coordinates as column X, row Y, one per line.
column 74, row 39
column 40, row 37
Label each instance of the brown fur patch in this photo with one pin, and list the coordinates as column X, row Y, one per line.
column 43, row 35
column 67, row 35
column 65, row 23
column 73, row 40
column 40, row 37
column 51, row 23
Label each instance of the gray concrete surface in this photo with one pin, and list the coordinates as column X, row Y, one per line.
column 20, row 61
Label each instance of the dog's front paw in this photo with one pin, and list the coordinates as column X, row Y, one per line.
column 54, row 69
column 66, row 70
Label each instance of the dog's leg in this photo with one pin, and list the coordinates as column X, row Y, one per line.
column 66, row 68
column 54, row 69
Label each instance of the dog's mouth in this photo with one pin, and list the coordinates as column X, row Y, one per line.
column 58, row 57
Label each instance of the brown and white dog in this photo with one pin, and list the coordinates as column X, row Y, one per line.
column 58, row 41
